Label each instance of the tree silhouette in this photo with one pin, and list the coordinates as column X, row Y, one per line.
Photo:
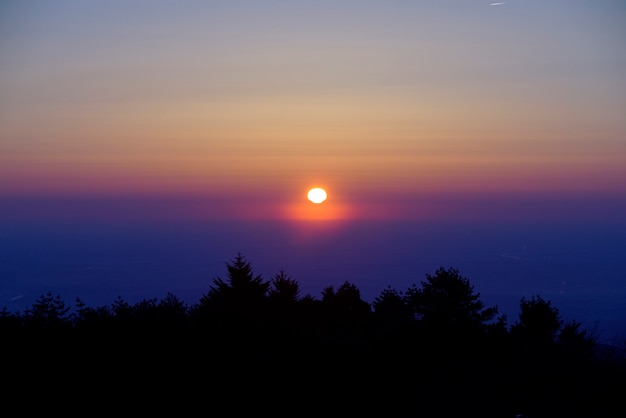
column 241, row 290
column 394, row 330
column 576, row 342
column 345, row 318
column 121, row 309
column 538, row 320
column 447, row 301
column 10, row 323
column 47, row 312
column 233, row 314
column 391, row 306
column 346, row 300
column 92, row 320
column 172, row 311
column 430, row 351
column 284, row 290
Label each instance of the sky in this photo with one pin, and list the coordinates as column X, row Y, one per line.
column 477, row 126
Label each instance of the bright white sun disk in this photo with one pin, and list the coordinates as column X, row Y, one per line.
column 317, row 195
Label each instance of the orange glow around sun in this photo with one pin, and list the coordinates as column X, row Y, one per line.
column 315, row 205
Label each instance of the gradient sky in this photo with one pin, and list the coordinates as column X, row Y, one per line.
column 144, row 143
column 401, row 109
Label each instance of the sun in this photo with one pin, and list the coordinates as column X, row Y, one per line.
column 317, row 195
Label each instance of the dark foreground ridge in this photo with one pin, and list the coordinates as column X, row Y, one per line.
column 256, row 346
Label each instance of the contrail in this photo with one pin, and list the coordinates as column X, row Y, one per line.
column 496, row 4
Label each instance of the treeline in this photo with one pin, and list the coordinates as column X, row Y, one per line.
column 433, row 349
